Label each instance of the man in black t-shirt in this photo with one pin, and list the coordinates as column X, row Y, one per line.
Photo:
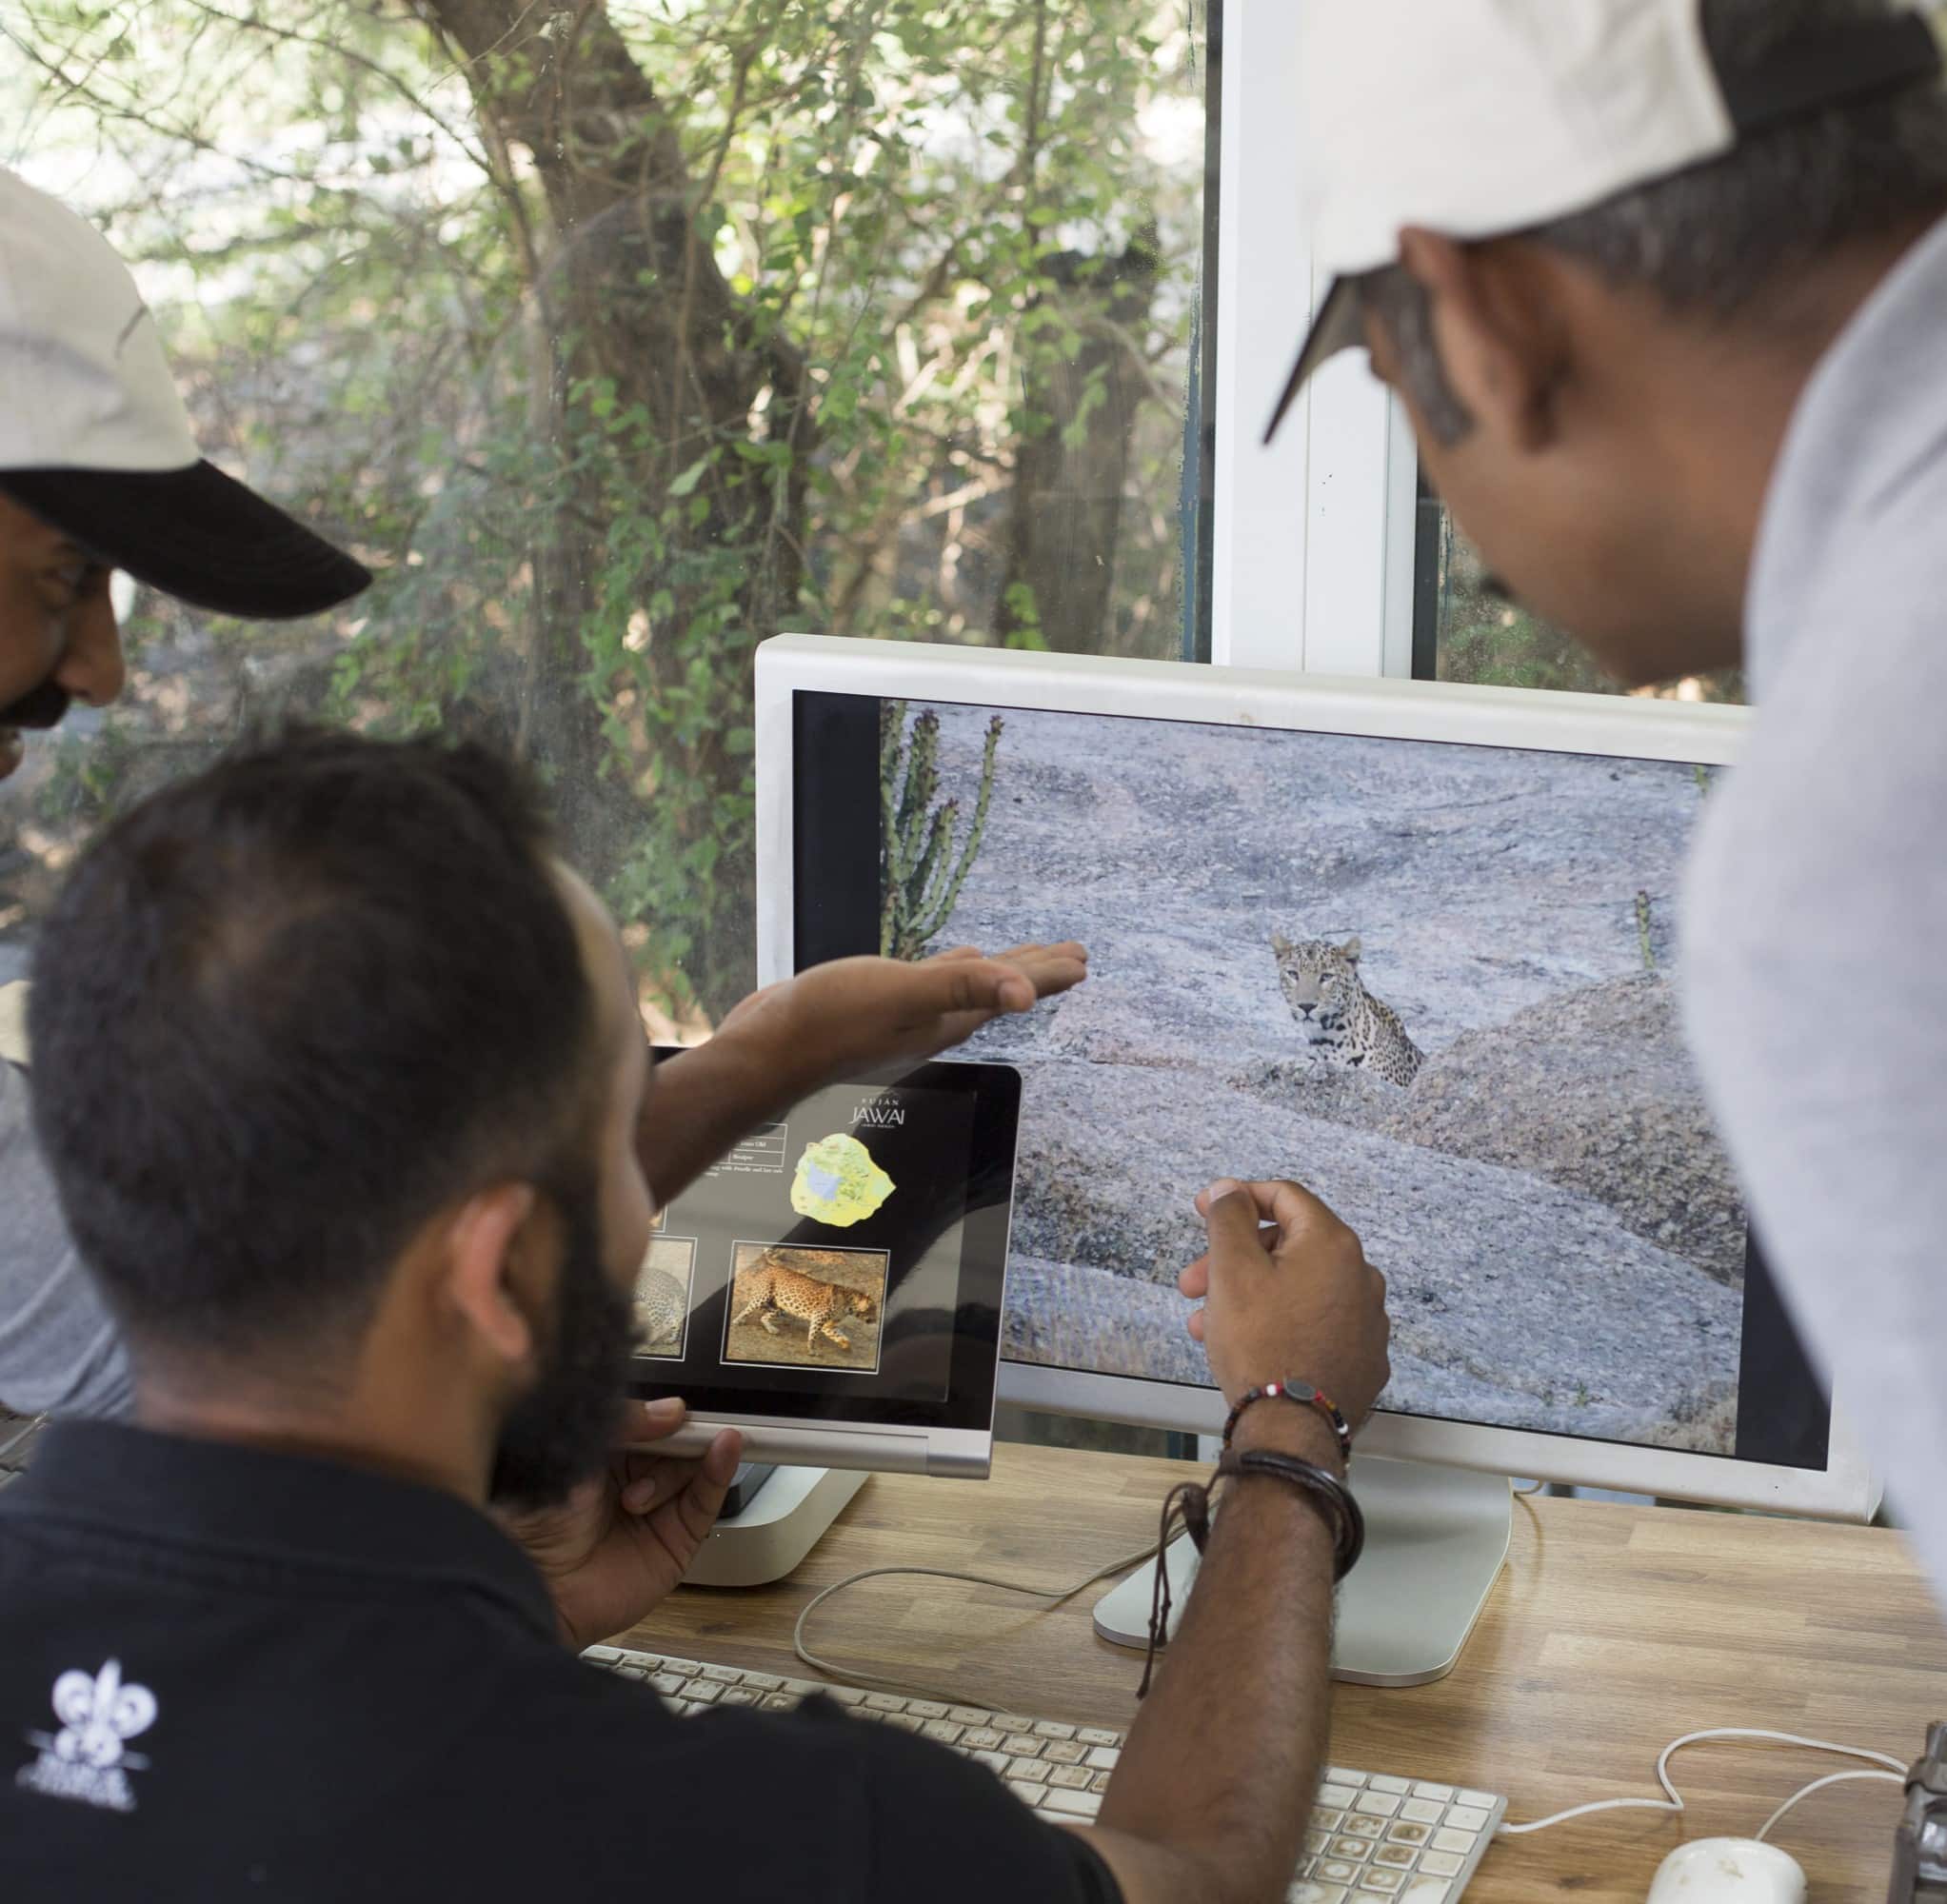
column 349, row 1111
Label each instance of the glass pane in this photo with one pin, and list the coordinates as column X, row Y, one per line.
column 1466, row 633
column 619, row 338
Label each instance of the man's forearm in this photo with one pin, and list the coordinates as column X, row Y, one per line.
column 1218, row 1773
column 705, row 1100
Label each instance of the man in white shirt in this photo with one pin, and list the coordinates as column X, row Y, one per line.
column 1663, row 287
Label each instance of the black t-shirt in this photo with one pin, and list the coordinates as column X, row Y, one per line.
column 231, row 1675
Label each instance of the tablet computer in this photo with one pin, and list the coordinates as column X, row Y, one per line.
column 833, row 1287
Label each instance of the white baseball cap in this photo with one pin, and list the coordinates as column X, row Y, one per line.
column 94, row 439
column 1475, row 118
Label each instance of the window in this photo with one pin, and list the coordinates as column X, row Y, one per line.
column 619, row 337
column 1462, row 632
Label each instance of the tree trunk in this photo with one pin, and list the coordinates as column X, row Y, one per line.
column 636, row 307
column 1071, row 470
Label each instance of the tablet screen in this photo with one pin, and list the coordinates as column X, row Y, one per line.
column 843, row 1262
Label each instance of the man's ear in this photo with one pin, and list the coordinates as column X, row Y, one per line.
column 491, row 1261
column 1498, row 342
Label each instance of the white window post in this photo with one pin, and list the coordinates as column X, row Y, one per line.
column 1313, row 542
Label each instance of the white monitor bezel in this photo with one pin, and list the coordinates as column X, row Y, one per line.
column 1545, row 720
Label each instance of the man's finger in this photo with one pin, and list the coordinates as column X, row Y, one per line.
column 694, row 1511
column 1193, row 1280
column 651, row 1421
column 1230, row 1215
column 653, row 1479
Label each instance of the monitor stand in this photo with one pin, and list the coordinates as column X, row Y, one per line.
column 1435, row 1540
column 778, row 1525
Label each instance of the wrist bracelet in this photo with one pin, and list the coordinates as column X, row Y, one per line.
column 1306, row 1397
column 1190, row 1502
column 1326, row 1493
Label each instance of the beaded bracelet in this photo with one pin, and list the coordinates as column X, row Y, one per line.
column 1306, row 1397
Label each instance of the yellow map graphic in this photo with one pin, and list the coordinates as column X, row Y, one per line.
column 837, row 1181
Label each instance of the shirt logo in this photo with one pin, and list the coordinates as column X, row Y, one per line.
column 85, row 1759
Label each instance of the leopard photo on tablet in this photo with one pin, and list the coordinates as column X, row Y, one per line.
column 661, row 1297
column 807, row 1307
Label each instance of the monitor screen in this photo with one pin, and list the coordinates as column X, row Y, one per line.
column 1431, row 979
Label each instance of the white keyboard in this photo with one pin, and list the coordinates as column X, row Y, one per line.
column 1374, row 1839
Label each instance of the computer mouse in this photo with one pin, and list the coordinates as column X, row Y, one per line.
column 1728, row 1871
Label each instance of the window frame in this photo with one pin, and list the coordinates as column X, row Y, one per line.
column 1313, row 536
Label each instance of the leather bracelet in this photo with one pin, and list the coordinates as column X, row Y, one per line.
column 1306, row 1397
column 1326, row 1493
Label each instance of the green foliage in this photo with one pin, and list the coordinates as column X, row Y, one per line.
column 922, row 865
column 388, row 311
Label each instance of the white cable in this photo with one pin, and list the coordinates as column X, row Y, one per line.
column 1830, row 1778
column 1675, row 1801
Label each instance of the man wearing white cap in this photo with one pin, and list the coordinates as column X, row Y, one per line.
column 1663, row 287
column 98, row 471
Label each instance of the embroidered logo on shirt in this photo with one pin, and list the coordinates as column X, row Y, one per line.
column 88, row 1759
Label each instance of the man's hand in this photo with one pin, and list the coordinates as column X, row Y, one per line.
column 1288, row 1291
column 860, row 1014
column 621, row 1541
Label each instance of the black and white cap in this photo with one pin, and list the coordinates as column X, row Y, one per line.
column 94, row 439
column 1475, row 118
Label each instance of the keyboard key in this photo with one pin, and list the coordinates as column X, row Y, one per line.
column 1101, row 1781
column 1065, row 1752
column 943, row 1730
column 1311, row 1892
column 980, row 1738
column 1379, row 1782
column 1367, row 1895
column 1441, row 1794
column 1408, row 1832
column 1424, row 1811
column 779, row 1703
column 804, row 1688
column 1336, row 1798
column 1378, row 1804
column 1314, row 1843
column 1482, row 1800
column 1072, row 1804
column 688, row 1668
column 1335, row 1870
column 1335, row 1774
column 966, row 1715
column 1096, row 1735
column 1380, row 1883
column 669, row 1684
column 900, row 1721
column 724, row 1676
column 701, row 1692
column 1024, row 1744
column 1326, row 1821
column 1027, row 1770
column 1103, row 1758
column 1398, row 1855
column 845, row 1696
column 994, row 1761
column 1053, row 1729
column 1071, row 1777
column 1467, row 1818
column 601, row 1655
column 1010, row 1722
column 739, row 1696
column 1426, row 1890
column 1355, row 1849
column 1029, row 1796
column 1441, row 1864
column 1365, row 1827
column 884, row 1702
column 1459, row 1842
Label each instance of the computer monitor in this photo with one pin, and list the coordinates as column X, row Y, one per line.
column 1410, row 942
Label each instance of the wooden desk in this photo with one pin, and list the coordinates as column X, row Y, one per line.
column 1611, row 1629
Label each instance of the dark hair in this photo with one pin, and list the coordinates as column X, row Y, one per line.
column 284, row 1012
column 1713, row 238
